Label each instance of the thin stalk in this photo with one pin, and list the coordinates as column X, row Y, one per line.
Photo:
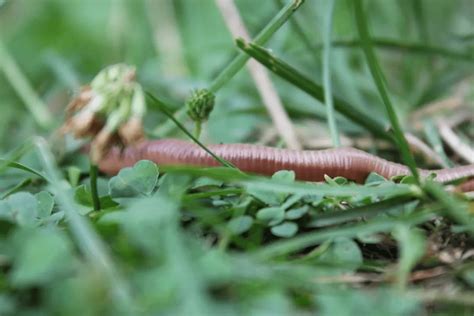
column 240, row 60
column 299, row 30
column 162, row 107
column 197, row 129
column 302, row 241
column 456, row 209
column 327, row 75
column 23, row 88
column 380, row 81
column 93, row 171
column 87, row 239
column 203, row 195
column 293, row 76
column 262, row 37
column 419, row 48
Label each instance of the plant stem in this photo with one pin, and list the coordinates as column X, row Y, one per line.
column 327, row 74
column 90, row 244
column 386, row 43
column 162, row 107
column 284, row 247
column 23, row 88
column 239, row 61
column 456, row 209
column 93, row 171
column 197, row 129
column 299, row 80
column 379, row 80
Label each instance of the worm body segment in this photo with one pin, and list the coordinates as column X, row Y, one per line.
column 309, row 165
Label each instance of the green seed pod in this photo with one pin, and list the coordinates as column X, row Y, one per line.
column 200, row 105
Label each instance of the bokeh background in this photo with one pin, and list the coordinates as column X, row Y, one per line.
column 181, row 45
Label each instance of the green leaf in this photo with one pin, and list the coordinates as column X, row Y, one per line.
column 286, row 229
column 19, row 166
column 270, row 197
column 284, row 176
column 240, row 225
column 82, row 195
column 206, row 182
column 345, row 302
column 335, row 181
column 45, row 204
column 468, row 276
column 138, row 180
column 7, row 305
column 297, row 213
column 73, row 175
column 374, row 179
column 20, row 208
column 412, row 247
column 271, row 215
column 41, row 256
column 343, row 252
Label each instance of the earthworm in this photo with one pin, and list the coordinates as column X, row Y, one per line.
column 308, row 165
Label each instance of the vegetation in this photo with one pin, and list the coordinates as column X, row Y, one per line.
column 379, row 75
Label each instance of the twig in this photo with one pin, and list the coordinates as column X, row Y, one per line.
column 417, row 145
column 261, row 78
column 456, row 144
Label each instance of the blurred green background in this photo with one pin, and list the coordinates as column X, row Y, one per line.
column 176, row 259
column 180, row 45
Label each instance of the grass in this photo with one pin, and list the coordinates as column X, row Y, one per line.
column 209, row 241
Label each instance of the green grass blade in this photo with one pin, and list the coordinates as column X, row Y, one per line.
column 455, row 208
column 239, row 61
column 162, row 107
column 302, row 82
column 332, row 218
column 284, row 247
column 413, row 48
column 328, row 100
column 23, row 88
column 379, row 80
column 19, row 166
column 88, row 241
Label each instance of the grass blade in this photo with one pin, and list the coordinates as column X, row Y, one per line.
column 239, row 61
column 379, row 80
column 88, row 241
column 20, row 83
column 162, row 107
column 299, row 80
column 19, row 166
column 284, row 247
column 455, row 209
column 414, row 48
column 328, row 100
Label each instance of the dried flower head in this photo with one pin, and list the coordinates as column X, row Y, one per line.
column 110, row 110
